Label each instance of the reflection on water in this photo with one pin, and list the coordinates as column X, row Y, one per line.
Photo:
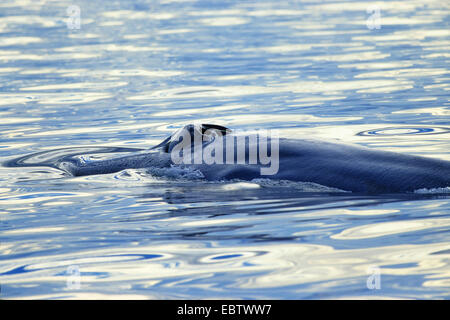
column 136, row 70
column 153, row 237
column 405, row 131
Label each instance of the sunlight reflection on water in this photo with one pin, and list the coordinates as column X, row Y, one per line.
column 135, row 71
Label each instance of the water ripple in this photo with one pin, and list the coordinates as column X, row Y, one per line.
column 134, row 72
column 399, row 131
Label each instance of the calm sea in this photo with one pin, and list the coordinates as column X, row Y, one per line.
column 80, row 77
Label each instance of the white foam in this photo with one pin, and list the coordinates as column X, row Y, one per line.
column 297, row 185
column 132, row 175
column 176, row 172
column 85, row 159
column 239, row 186
column 181, row 173
column 433, row 190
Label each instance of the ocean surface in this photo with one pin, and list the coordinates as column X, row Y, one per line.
column 84, row 79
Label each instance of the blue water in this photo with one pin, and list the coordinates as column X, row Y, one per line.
column 134, row 71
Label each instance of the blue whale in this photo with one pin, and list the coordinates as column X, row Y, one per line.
column 343, row 166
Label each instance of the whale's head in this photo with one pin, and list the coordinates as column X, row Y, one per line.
column 206, row 131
